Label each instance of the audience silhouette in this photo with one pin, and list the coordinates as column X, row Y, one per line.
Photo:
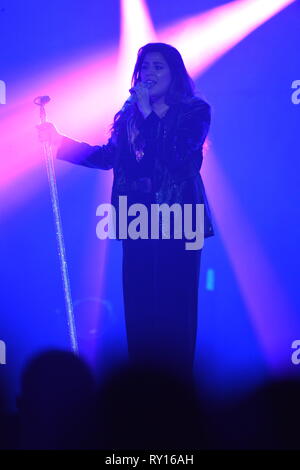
column 61, row 406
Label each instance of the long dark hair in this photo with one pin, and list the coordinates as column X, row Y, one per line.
column 181, row 88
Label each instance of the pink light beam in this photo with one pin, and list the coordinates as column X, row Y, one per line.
column 204, row 38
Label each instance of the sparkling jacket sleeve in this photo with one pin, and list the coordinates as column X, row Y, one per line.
column 92, row 156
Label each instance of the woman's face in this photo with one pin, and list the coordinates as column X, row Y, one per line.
column 156, row 72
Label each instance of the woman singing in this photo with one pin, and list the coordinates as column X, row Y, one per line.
column 155, row 151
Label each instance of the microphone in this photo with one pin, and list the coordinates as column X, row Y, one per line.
column 41, row 100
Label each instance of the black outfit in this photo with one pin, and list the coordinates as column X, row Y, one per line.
column 160, row 277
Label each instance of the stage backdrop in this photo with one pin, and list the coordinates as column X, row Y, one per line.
column 244, row 58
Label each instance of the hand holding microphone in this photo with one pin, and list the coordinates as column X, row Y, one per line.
column 140, row 96
column 47, row 132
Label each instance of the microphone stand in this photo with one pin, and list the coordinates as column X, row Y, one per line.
column 41, row 101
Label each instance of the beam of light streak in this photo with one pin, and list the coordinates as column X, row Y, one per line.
column 213, row 33
column 273, row 316
column 136, row 30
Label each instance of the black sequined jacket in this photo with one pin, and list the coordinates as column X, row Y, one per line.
column 175, row 143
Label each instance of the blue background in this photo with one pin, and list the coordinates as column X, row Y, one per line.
column 255, row 136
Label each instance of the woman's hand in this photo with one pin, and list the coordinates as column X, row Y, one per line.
column 48, row 133
column 141, row 92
